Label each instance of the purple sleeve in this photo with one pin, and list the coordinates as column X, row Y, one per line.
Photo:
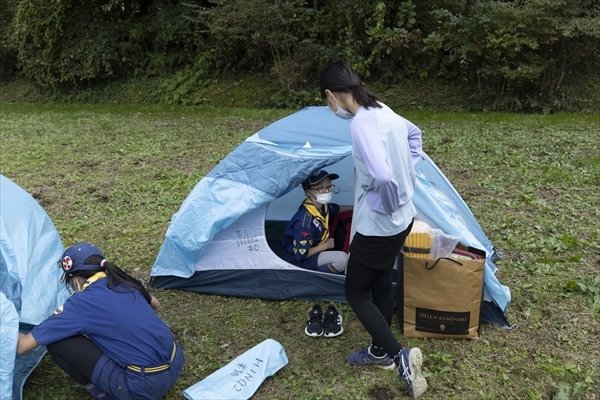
column 415, row 141
column 383, row 196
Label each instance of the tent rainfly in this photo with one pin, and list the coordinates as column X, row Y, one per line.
column 226, row 237
column 30, row 288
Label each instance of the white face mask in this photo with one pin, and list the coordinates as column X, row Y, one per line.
column 343, row 114
column 323, row 198
column 340, row 112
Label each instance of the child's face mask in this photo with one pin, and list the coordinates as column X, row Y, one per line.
column 323, row 198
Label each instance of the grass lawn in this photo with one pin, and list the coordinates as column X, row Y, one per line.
column 114, row 175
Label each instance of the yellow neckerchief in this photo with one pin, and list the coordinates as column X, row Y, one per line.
column 93, row 278
column 308, row 204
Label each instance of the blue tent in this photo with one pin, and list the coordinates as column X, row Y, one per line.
column 226, row 237
column 29, row 281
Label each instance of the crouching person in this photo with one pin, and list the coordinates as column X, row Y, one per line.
column 107, row 335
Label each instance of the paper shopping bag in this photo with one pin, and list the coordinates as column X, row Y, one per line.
column 442, row 297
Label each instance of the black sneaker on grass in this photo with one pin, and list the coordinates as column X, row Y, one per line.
column 332, row 322
column 313, row 325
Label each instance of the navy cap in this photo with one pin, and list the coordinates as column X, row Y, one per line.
column 317, row 177
column 74, row 257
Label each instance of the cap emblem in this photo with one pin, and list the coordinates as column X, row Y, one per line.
column 67, row 263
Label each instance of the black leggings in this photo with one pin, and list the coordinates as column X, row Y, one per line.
column 77, row 356
column 374, row 313
column 369, row 290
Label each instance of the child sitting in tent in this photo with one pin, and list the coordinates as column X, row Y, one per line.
column 307, row 240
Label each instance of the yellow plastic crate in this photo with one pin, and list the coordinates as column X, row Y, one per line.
column 418, row 245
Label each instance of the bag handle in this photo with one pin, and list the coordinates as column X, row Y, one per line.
column 436, row 261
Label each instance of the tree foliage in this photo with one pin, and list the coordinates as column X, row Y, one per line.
column 521, row 51
column 263, row 35
column 512, row 54
column 8, row 56
column 74, row 41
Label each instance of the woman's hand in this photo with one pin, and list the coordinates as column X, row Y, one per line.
column 26, row 343
column 154, row 303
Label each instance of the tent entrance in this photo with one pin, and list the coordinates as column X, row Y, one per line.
column 282, row 209
column 274, row 234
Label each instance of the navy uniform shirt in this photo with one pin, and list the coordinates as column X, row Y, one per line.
column 303, row 232
column 122, row 324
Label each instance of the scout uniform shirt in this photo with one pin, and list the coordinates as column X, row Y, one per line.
column 121, row 323
column 306, row 230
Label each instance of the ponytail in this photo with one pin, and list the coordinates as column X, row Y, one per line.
column 116, row 276
column 365, row 97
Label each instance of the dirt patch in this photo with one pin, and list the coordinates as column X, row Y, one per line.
column 43, row 195
column 381, row 394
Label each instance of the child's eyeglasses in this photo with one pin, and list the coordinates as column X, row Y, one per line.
column 324, row 189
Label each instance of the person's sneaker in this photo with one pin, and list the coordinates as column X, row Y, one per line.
column 332, row 322
column 410, row 361
column 364, row 357
column 314, row 326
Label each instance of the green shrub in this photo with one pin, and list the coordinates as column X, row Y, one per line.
column 70, row 43
column 8, row 55
column 500, row 55
column 519, row 54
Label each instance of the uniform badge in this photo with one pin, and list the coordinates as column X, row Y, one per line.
column 303, row 243
column 59, row 310
column 302, row 251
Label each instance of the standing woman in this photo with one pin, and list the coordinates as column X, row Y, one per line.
column 107, row 335
column 384, row 148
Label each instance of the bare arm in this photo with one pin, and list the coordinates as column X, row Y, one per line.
column 154, row 303
column 26, row 343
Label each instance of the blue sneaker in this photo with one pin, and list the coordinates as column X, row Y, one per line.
column 409, row 369
column 364, row 357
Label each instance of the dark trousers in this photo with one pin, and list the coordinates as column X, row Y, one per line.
column 77, row 356
column 369, row 285
column 83, row 360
